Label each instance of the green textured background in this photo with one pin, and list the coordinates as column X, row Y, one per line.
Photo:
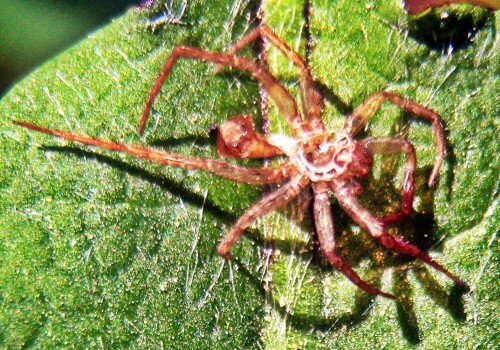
column 101, row 250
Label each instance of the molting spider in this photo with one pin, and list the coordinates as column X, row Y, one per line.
column 328, row 161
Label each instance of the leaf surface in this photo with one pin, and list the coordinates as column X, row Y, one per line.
column 100, row 249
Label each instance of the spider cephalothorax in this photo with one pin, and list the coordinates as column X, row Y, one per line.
column 328, row 161
column 331, row 157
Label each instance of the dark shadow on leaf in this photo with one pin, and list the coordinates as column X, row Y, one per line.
column 330, row 96
column 405, row 305
column 363, row 302
column 256, row 282
column 452, row 303
column 448, row 30
column 449, row 178
column 456, row 304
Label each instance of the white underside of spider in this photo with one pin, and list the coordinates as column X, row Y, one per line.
column 336, row 151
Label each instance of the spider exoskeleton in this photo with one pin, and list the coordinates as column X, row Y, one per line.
column 330, row 162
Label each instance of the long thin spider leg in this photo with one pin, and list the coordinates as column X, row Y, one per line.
column 361, row 115
column 284, row 101
column 268, row 203
column 376, row 228
column 324, row 228
column 254, row 176
column 311, row 98
column 396, row 145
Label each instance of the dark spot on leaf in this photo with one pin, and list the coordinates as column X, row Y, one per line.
column 448, row 29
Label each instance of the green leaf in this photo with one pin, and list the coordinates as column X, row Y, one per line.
column 101, row 250
column 358, row 48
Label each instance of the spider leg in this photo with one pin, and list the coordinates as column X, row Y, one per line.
column 375, row 227
column 268, row 203
column 396, row 145
column 361, row 115
column 324, row 228
column 284, row 101
column 311, row 98
column 254, row 176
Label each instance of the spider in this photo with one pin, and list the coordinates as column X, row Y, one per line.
column 328, row 161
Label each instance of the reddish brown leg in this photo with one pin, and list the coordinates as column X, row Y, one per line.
column 284, row 101
column 311, row 98
column 268, row 203
column 361, row 115
column 391, row 146
column 376, row 228
column 324, row 228
column 255, row 176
